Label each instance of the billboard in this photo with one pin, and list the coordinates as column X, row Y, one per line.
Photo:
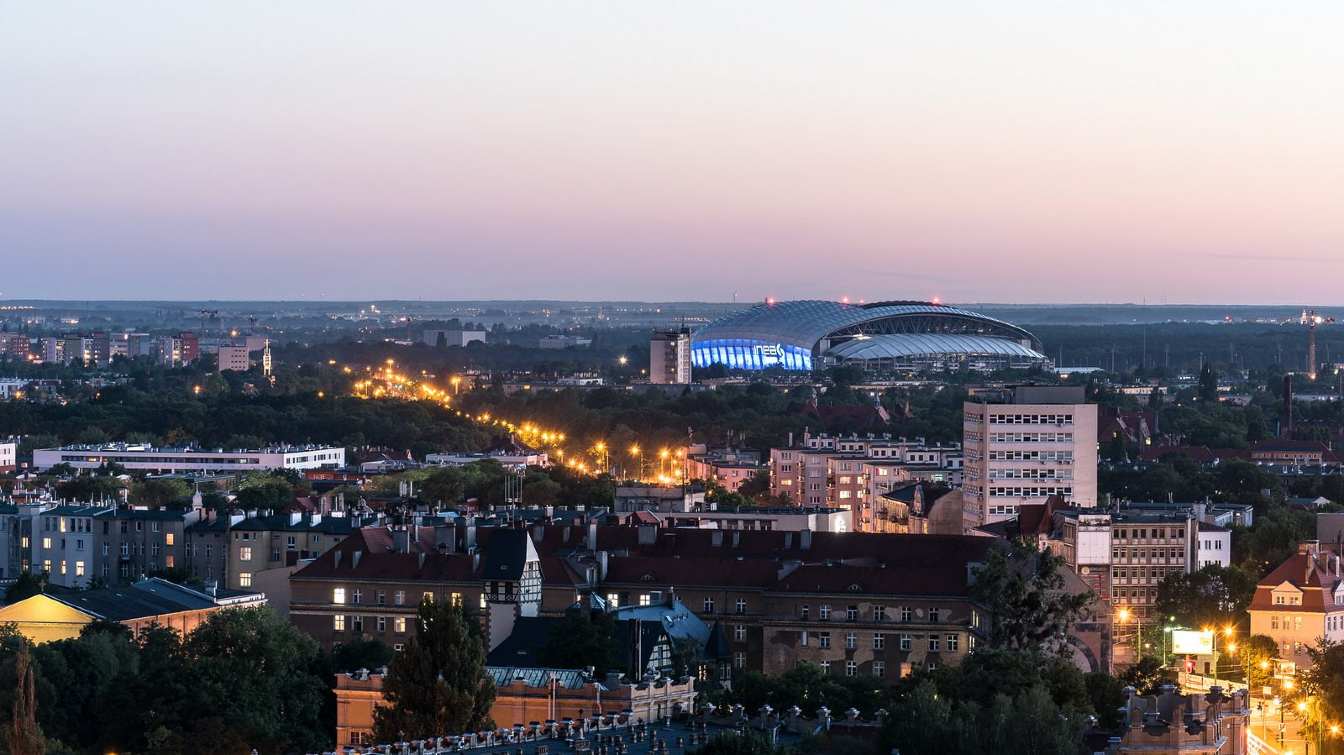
column 1191, row 642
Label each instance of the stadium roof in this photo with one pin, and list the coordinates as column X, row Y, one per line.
column 906, row 345
column 804, row 323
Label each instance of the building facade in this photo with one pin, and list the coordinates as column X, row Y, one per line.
column 670, row 357
column 1042, row 442
column 144, row 458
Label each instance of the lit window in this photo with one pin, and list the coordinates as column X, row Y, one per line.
column 879, row 668
column 399, row 625
column 851, row 668
column 457, row 599
column 338, row 595
column 79, row 568
column 245, row 553
column 644, row 599
column 46, row 543
column 168, row 539
column 613, row 598
column 245, row 579
column 338, row 622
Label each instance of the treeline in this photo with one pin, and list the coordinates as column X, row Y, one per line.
column 244, row 679
column 228, row 419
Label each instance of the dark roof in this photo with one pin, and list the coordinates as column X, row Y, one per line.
column 520, row 648
column 507, row 554
column 333, row 525
column 150, row 597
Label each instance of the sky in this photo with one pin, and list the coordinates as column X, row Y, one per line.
column 1019, row 151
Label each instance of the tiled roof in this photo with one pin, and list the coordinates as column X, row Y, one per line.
column 1312, row 575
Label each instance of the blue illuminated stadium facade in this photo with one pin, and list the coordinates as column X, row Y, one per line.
column 886, row 336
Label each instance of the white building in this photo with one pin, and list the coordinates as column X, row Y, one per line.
column 11, row 386
column 1041, row 442
column 790, row 519
column 9, row 454
column 234, row 359
column 164, row 460
column 670, row 357
column 1213, row 547
column 453, row 336
column 517, row 461
column 560, row 341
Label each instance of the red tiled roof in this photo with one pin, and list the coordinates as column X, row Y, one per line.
column 1311, row 575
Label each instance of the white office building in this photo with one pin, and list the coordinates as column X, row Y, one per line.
column 670, row 357
column 1038, row 442
column 144, row 458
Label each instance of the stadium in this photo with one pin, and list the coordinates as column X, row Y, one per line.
column 892, row 336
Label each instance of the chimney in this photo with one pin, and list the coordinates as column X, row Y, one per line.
column 401, row 539
column 592, row 536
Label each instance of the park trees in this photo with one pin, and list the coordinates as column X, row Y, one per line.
column 437, row 684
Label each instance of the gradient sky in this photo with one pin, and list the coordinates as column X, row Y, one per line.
column 978, row 151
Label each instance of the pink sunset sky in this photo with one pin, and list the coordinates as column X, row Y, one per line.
column 997, row 151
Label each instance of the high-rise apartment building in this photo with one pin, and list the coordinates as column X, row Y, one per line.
column 670, row 357
column 1035, row 442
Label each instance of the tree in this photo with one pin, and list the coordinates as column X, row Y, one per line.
column 1213, row 596
column 360, row 654
column 445, row 486
column 24, row 737
column 1023, row 589
column 1208, row 384
column 582, row 638
column 161, row 492
column 26, row 586
column 1146, row 676
column 437, row 684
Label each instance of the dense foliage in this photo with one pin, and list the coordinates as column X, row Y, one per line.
column 437, row 684
column 244, row 679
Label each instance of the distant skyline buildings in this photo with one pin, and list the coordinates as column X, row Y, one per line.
column 1013, row 152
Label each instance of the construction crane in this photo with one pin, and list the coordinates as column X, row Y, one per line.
column 211, row 314
column 1311, row 320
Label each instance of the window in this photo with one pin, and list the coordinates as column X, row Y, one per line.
column 933, row 643
column 709, row 605
column 803, row 612
column 244, row 579
column 62, row 566
column 741, row 605
column 879, row 613
column 46, row 566
column 739, row 632
column 851, row 641
column 429, row 596
column 614, row 599
column 244, row 553
column 824, row 612
column 879, row 641
column 825, row 667
column 46, row 543
column 338, row 622
column 879, row 668
column 169, row 561
column 823, row 640
column 380, row 598
column 382, row 623
column 168, row 539
column 905, row 642
column 953, row 643
column 399, row 625
column 482, row 599
column 644, row 599
column 852, row 613
column 935, row 614
column 739, row 660
column 457, row 599
column 399, row 597
column 79, row 568
column 338, row 595
column 802, row 640
column 851, row 668
column 906, row 613
column 356, row 596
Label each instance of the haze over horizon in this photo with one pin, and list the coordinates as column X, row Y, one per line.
column 1017, row 153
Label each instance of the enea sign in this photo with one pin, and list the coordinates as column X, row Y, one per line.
column 770, row 353
column 1191, row 642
